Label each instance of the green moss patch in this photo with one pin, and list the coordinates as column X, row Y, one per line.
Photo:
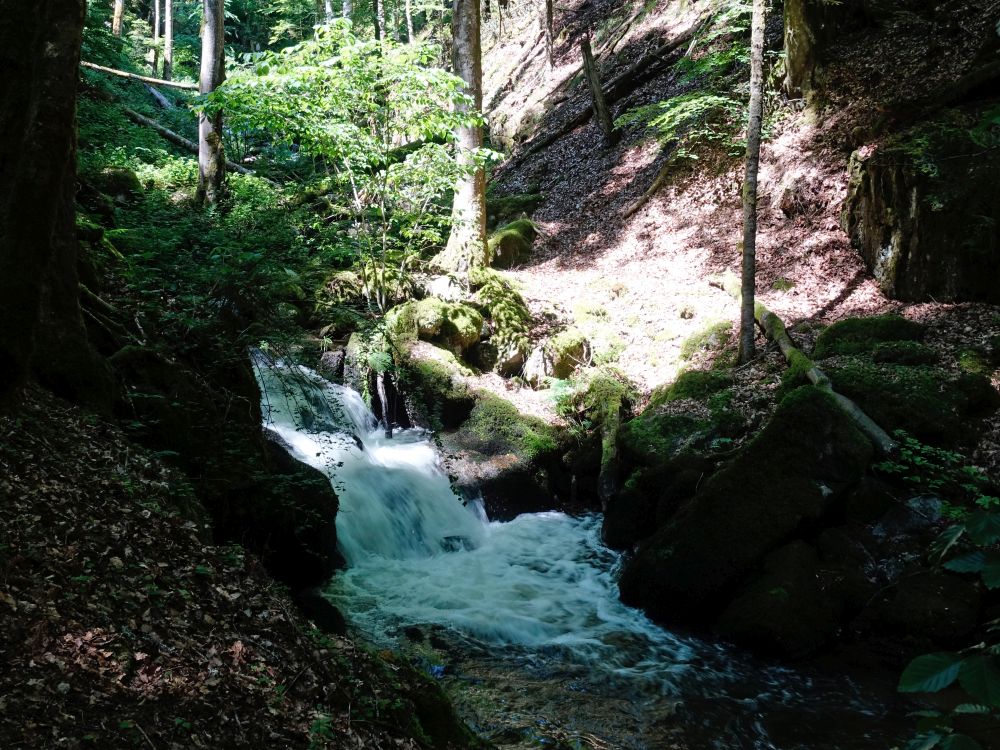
column 511, row 244
column 904, row 353
column 933, row 405
column 508, row 312
column 512, row 206
column 712, row 337
column 496, row 426
column 437, row 389
column 861, row 335
column 696, row 384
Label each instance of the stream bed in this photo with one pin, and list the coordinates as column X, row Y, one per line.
column 521, row 620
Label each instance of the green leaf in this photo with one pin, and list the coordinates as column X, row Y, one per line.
column 960, row 742
column 983, row 527
column 970, row 563
column 980, row 678
column 930, row 673
column 924, row 741
column 991, row 575
column 946, row 540
column 971, row 708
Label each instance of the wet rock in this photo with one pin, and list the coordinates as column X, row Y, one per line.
column 435, row 387
column 922, row 211
column 783, row 481
column 788, row 610
column 331, row 364
column 326, row 615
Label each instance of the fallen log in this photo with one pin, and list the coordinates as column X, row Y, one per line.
column 160, row 98
column 775, row 330
column 137, row 77
column 658, row 182
column 179, row 140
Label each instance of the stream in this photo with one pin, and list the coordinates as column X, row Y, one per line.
column 522, row 618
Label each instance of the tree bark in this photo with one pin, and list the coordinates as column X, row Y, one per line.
column 378, row 7
column 775, row 330
column 348, row 8
column 597, row 93
column 118, row 17
column 211, row 158
column 135, row 77
column 168, row 39
column 547, row 23
column 466, row 247
column 41, row 327
column 154, row 53
column 749, row 264
column 328, row 10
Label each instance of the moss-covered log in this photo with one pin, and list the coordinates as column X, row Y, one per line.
column 775, row 330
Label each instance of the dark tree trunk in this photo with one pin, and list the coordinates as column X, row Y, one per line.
column 41, row 327
column 211, row 158
column 750, row 183
column 467, row 243
column 548, row 22
column 597, row 93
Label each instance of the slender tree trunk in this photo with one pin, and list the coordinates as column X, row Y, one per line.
column 601, row 110
column 116, row 19
column 378, row 6
column 39, row 288
column 211, row 158
column 168, row 39
column 548, row 22
column 154, row 53
column 348, row 8
column 408, row 9
column 394, row 21
column 328, row 10
column 467, row 247
column 750, row 183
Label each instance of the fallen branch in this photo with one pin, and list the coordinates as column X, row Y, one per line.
column 658, row 182
column 178, row 140
column 137, row 77
column 775, row 330
column 160, row 98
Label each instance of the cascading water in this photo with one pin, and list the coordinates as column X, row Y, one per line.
column 541, row 587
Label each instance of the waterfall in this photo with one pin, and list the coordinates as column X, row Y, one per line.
column 539, row 590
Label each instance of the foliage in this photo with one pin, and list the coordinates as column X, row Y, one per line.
column 712, row 336
column 353, row 104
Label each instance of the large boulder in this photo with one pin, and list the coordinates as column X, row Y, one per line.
column 811, row 26
column 785, row 480
column 922, row 210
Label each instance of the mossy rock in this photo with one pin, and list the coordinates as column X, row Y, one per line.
column 435, row 387
column 462, row 327
column 904, row 353
column 118, row 182
column 510, row 317
column 654, row 438
column 695, row 384
column 496, row 426
column 453, row 325
column 976, row 362
column 935, row 406
column 861, row 335
column 785, row 479
column 340, row 288
column 566, row 351
column 712, row 337
column 511, row 244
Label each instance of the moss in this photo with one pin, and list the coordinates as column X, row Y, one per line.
column 438, row 393
column 795, row 375
column 512, row 243
column 933, row 405
column 654, row 438
column 118, row 182
column 462, row 327
column 696, row 384
column 455, row 326
column 508, row 312
column 710, row 338
column 904, row 353
column 498, row 426
column 975, row 362
column 861, row 335
column 781, row 284
column 567, row 350
column 430, row 314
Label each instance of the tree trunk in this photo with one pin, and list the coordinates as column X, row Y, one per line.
column 135, row 77
column 408, row 9
column 547, row 24
column 467, row 243
column 597, row 93
column 118, row 17
column 328, row 10
column 211, row 158
column 750, row 183
column 378, row 6
column 348, row 8
column 154, row 53
column 168, row 39
column 41, row 326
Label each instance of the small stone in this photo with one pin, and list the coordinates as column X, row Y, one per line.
column 116, row 563
column 63, row 687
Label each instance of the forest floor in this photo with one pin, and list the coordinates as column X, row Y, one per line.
column 643, row 280
column 125, row 627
